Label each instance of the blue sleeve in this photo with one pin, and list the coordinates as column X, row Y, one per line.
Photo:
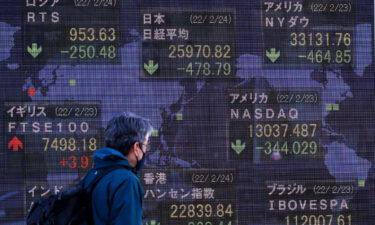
column 127, row 203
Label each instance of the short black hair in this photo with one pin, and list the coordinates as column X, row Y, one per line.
column 126, row 129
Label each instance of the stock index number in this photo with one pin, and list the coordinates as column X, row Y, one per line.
column 206, row 69
column 70, row 144
column 180, row 211
column 293, row 148
column 200, row 51
column 285, row 130
column 89, row 52
column 340, row 219
column 329, row 57
column 320, row 39
column 210, row 223
column 91, row 34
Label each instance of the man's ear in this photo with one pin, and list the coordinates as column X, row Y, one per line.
column 134, row 148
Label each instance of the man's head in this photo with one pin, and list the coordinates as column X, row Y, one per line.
column 128, row 133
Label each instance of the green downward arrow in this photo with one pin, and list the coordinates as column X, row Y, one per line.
column 238, row 146
column 151, row 67
column 273, row 55
column 153, row 222
column 34, row 51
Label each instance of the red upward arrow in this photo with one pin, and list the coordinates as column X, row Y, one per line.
column 15, row 144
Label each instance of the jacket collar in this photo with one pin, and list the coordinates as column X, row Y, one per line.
column 106, row 157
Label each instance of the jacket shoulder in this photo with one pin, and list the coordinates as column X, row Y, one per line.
column 114, row 177
column 117, row 179
column 120, row 176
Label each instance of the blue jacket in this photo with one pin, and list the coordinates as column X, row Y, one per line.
column 117, row 198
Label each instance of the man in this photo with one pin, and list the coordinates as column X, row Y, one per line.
column 117, row 198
